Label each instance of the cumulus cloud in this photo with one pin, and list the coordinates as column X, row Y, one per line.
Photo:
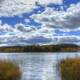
column 69, row 19
column 65, row 21
column 69, row 39
column 22, row 34
column 17, row 7
column 38, row 40
column 50, row 1
column 50, row 20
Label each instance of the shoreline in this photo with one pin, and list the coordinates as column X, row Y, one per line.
column 44, row 48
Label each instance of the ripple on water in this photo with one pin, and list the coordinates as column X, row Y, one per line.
column 38, row 66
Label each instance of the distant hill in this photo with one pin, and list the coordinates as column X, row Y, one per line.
column 43, row 48
column 68, row 45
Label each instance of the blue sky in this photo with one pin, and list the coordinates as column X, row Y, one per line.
column 26, row 20
column 16, row 19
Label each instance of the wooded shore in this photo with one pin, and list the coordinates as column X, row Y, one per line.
column 43, row 48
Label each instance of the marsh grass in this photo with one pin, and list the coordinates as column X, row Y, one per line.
column 9, row 71
column 70, row 69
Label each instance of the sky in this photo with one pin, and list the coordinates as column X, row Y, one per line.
column 39, row 22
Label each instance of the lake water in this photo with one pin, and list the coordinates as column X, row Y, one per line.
column 38, row 66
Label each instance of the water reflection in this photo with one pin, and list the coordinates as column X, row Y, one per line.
column 38, row 66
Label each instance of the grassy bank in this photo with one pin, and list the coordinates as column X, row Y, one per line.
column 9, row 71
column 70, row 69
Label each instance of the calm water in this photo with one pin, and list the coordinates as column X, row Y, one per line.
column 38, row 66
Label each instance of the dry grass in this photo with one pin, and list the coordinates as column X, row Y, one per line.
column 9, row 71
column 70, row 69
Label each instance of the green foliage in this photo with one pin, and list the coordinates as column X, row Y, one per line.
column 9, row 71
column 70, row 69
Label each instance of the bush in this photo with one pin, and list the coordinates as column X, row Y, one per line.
column 70, row 69
column 9, row 71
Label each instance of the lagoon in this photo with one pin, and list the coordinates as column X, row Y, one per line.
column 38, row 66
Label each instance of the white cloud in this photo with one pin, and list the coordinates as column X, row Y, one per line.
column 51, row 20
column 50, row 1
column 61, row 20
column 17, row 7
column 27, row 20
column 28, row 35
column 69, row 19
column 25, row 35
column 38, row 40
column 69, row 39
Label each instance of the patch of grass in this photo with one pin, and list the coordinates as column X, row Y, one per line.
column 70, row 69
column 9, row 71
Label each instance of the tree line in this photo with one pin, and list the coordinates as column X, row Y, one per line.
column 43, row 48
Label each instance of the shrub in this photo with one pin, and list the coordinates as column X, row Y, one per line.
column 70, row 69
column 9, row 71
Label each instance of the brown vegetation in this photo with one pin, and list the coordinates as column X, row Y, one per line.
column 70, row 69
column 43, row 48
column 9, row 71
